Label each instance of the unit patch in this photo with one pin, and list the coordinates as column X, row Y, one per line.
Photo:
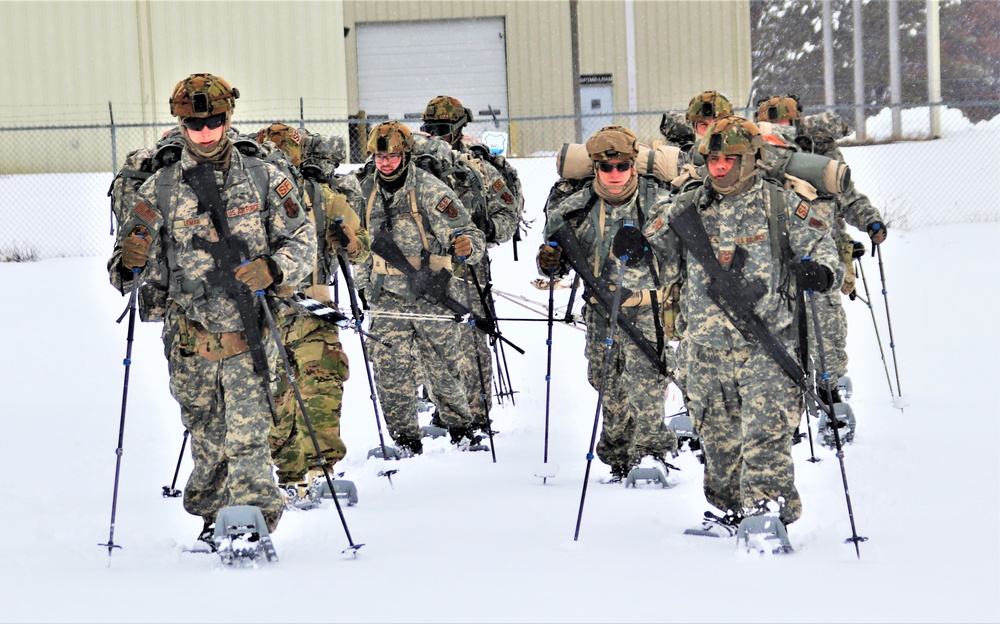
column 507, row 197
column 284, row 188
column 242, row 210
column 819, row 224
column 143, row 210
column 498, row 185
column 291, row 208
column 802, row 211
column 448, row 207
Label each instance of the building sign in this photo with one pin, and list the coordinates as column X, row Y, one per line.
column 595, row 79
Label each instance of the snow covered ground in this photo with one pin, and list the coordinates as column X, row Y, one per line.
column 459, row 538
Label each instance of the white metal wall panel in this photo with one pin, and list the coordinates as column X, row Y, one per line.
column 402, row 65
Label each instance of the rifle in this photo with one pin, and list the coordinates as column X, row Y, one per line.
column 602, row 294
column 229, row 253
column 433, row 286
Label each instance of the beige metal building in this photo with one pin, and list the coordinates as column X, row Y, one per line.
column 634, row 55
column 63, row 62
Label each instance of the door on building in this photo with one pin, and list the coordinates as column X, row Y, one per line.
column 403, row 65
column 596, row 100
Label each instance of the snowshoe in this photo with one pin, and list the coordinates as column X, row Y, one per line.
column 465, row 439
column 846, row 423
column 845, row 387
column 241, row 537
column 205, row 542
column 345, row 489
column 716, row 526
column 646, row 475
column 763, row 534
column 297, row 496
column 431, row 431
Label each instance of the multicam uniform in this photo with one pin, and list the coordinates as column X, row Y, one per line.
column 314, row 345
column 634, row 390
column 745, row 408
column 423, row 215
column 222, row 399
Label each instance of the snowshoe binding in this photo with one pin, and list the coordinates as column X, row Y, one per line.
column 764, row 534
column 717, row 526
column 846, row 423
column 241, row 537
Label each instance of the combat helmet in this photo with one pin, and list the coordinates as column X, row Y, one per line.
column 732, row 135
column 203, row 95
column 779, row 108
column 707, row 106
column 613, row 142
column 390, row 136
column 289, row 140
column 445, row 116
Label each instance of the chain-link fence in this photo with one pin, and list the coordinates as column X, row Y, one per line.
column 48, row 208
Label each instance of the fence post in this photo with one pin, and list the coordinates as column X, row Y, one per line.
column 114, row 146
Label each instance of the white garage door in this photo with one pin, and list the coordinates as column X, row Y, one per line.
column 402, row 65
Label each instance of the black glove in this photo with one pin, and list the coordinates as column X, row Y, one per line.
column 485, row 225
column 877, row 231
column 859, row 250
column 629, row 243
column 811, row 275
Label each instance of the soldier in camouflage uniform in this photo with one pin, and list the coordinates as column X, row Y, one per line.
column 850, row 207
column 497, row 214
column 224, row 402
column 634, row 391
column 430, row 226
column 313, row 345
column 744, row 406
column 702, row 110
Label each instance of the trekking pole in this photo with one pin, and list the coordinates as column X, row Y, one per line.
column 479, row 360
column 358, row 319
column 171, row 491
column 803, row 324
column 353, row 548
column 897, row 401
column 626, row 254
column 130, row 310
column 572, row 295
column 504, row 386
column 605, row 364
column 878, row 337
column 834, row 423
column 548, row 364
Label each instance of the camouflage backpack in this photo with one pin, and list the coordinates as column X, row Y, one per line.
column 510, row 176
column 139, row 165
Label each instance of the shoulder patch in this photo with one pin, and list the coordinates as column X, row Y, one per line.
column 284, row 188
column 291, row 208
column 448, row 207
column 802, row 211
column 507, row 197
column 819, row 224
column 143, row 210
column 498, row 184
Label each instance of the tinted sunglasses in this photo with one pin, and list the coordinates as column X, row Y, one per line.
column 197, row 124
column 621, row 167
column 437, row 128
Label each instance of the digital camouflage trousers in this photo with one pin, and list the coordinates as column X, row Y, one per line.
column 224, row 408
column 745, row 410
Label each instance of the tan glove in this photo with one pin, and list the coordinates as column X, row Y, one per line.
column 549, row 257
column 463, row 246
column 255, row 274
column 135, row 249
column 343, row 235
